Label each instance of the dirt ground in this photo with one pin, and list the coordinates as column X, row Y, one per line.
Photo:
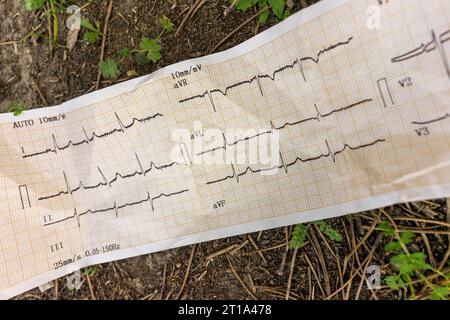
column 253, row 266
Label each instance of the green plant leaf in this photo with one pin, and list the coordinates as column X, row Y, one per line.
column 91, row 37
column 262, row 4
column 278, row 8
column 419, row 260
column 298, row 236
column 392, row 246
column 287, row 13
column 33, row 5
column 17, row 107
column 141, row 58
column 85, row 23
column 91, row 271
column 387, row 229
column 264, row 16
column 109, row 69
column 331, row 233
column 124, row 52
column 152, row 49
column 60, row 5
column 406, row 237
column 166, row 24
column 393, row 281
column 243, row 5
column 93, row 34
column 440, row 293
column 402, row 264
column 408, row 264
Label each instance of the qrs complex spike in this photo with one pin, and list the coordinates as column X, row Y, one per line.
column 424, row 48
column 436, row 43
column 286, row 124
column 105, row 181
column 116, row 207
column 284, row 165
column 298, row 61
column 57, row 147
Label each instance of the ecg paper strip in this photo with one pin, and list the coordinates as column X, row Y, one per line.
column 361, row 114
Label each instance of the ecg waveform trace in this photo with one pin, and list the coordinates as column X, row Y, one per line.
column 446, row 116
column 256, row 78
column 435, row 43
column 286, row 124
column 285, row 166
column 93, row 136
column 116, row 207
column 107, row 182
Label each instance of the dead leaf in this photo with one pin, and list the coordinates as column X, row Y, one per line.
column 132, row 73
column 72, row 36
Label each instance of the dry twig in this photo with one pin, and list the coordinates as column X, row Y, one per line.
column 105, row 31
column 188, row 270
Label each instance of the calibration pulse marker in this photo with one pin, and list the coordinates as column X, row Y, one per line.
column 94, row 135
column 224, row 92
column 105, row 181
column 185, row 153
column 285, row 166
column 24, row 196
column 385, row 91
column 286, row 124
